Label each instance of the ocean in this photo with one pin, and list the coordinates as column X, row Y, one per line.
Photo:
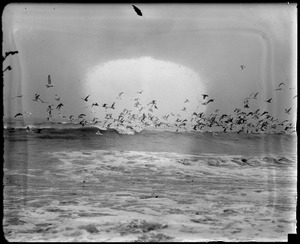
column 67, row 182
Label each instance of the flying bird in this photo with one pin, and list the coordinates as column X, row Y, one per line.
column 186, row 101
column 37, row 98
column 295, row 96
column 242, row 66
column 255, row 95
column 204, row 96
column 119, row 96
column 17, row 96
column 18, row 114
column 59, row 106
column 140, row 92
column 86, row 98
column 137, row 10
column 210, row 100
column 7, row 68
column 57, row 98
column 9, row 53
column 94, row 104
column 153, row 102
column 49, row 110
column 288, row 110
column 112, row 106
column 49, row 82
column 269, row 101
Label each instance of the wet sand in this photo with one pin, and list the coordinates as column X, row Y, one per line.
column 139, row 196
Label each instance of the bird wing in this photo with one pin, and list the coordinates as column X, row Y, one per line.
column 137, row 10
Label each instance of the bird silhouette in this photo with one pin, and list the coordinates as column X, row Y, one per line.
column 18, row 114
column 94, row 104
column 269, row 100
column 49, row 110
column 255, row 95
column 204, row 96
column 7, row 68
column 186, row 101
column 295, row 96
column 86, row 98
column 9, row 53
column 59, row 106
column 242, row 66
column 137, row 10
column 17, row 96
column 112, row 106
column 48, row 85
column 119, row 96
column 57, row 98
column 140, row 92
column 37, row 98
column 210, row 100
column 287, row 110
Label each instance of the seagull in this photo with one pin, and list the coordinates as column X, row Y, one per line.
column 255, row 95
column 278, row 89
column 186, row 101
column 137, row 10
column 112, row 106
column 59, row 106
column 49, row 82
column 243, row 66
column 140, row 92
column 49, row 109
column 86, row 98
column 204, row 96
column 17, row 96
column 288, row 110
column 94, row 104
column 153, row 102
column 295, row 96
column 9, row 53
column 7, row 68
column 269, row 101
column 57, row 98
column 210, row 100
column 18, row 114
column 119, row 96
column 81, row 116
column 37, row 98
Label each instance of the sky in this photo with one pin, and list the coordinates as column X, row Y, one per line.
column 173, row 52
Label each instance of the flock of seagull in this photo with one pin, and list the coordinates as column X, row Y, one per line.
column 142, row 116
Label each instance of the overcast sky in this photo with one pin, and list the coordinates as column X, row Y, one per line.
column 173, row 52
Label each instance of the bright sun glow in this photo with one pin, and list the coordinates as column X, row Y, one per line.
column 168, row 83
